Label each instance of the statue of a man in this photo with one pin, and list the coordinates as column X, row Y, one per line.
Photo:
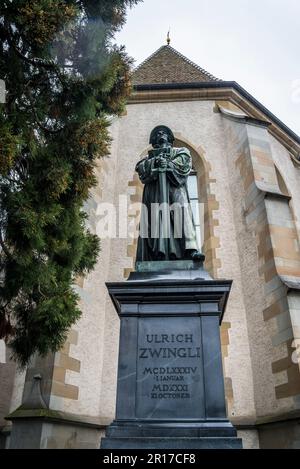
column 167, row 229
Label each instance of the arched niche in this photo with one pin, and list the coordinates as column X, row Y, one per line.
column 206, row 197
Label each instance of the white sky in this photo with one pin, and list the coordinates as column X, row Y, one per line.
column 253, row 42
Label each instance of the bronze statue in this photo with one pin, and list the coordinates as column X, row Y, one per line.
column 167, row 229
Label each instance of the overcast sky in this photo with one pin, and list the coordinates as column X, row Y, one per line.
column 253, row 42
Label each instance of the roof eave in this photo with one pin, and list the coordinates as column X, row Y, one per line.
column 221, row 84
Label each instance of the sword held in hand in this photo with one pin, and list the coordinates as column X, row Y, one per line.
column 163, row 154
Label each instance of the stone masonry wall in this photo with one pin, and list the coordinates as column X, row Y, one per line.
column 245, row 240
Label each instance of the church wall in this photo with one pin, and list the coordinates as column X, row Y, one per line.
column 285, row 435
column 250, row 438
column 238, row 243
column 290, row 174
column 241, row 176
column 196, row 124
column 69, row 437
column 92, row 328
column 273, row 316
column 241, row 404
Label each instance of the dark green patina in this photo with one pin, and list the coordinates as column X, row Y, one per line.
column 164, row 173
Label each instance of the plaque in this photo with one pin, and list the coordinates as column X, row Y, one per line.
column 170, row 369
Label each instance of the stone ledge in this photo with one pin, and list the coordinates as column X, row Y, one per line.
column 292, row 283
column 242, row 118
column 249, row 424
column 273, row 194
column 49, row 415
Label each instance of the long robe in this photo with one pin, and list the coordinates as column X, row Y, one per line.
column 164, row 234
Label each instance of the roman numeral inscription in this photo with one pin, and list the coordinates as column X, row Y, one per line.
column 169, row 368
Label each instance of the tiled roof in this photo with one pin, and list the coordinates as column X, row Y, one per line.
column 167, row 65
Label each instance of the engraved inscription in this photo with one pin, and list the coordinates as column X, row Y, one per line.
column 170, row 366
column 169, row 391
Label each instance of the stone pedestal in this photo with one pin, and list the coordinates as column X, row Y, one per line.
column 170, row 390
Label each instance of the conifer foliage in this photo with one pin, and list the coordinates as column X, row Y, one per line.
column 64, row 79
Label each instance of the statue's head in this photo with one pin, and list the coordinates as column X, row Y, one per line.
column 160, row 135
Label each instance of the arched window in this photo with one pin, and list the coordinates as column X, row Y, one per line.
column 192, row 184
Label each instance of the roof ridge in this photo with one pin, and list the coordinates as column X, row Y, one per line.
column 202, row 70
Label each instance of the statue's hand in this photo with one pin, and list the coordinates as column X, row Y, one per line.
column 162, row 163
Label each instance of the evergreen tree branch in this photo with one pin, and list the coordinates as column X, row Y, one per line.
column 4, row 248
column 40, row 125
column 53, row 127
column 35, row 62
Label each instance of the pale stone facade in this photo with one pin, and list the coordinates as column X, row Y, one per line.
column 249, row 181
